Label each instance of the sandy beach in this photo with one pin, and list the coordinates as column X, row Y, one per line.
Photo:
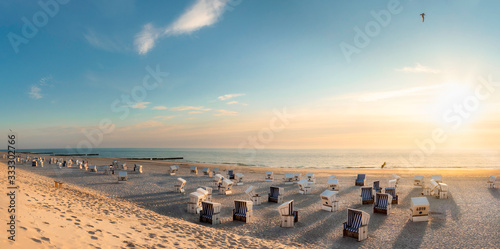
column 147, row 213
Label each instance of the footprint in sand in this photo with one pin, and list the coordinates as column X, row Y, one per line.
column 94, row 237
column 76, row 223
column 91, row 232
column 89, row 225
column 45, row 238
column 36, row 240
column 24, row 228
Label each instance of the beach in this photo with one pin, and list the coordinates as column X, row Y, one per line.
column 146, row 212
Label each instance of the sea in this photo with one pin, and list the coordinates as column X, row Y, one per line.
column 308, row 158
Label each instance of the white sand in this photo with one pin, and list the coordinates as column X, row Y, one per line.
column 468, row 219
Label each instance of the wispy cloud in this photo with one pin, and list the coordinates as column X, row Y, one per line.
column 236, row 103
column 195, row 112
column 164, row 117
column 188, row 108
column 201, row 14
column 141, row 105
column 418, row 69
column 225, row 113
column 102, row 42
column 35, row 92
column 159, row 108
column 230, row 96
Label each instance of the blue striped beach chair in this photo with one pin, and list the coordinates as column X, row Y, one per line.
column 276, row 194
column 382, row 203
column 288, row 216
column 242, row 211
column 360, row 180
column 230, row 173
column 366, row 195
column 357, row 224
column 392, row 192
column 376, row 187
column 210, row 212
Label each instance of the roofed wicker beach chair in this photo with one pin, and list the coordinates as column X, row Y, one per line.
column 311, row 177
column 173, row 169
column 122, row 177
column 333, row 184
column 210, row 212
column 106, row 170
column 226, row 187
column 243, row 211
column 269, row 176
column 392, row 191
column 491, row 181
column 194, row 204
column 217, row 180
column 397, row 178
column 230, row 173
column 332, row 177
column 179, row 185
column 276, row 194
column 418, row 181
column 288, row 216
column 256, row 198
column 238, row 178
column 288, row 178
column 376, row 187
column 207, row 172
column 366, row 195
column 392, row 183
column 360, row 180
column 216, row 171
column 304, row 187
column 329, row 201
column 122, row 166
column 92, row 168
column 440, row 190
column 297, row 177
column 209, row 192
column 357, row 224
column 193, row 170
column 382, row 203
column 419, row 209
column 34, row 163
column 437, row 178
column 138, row 168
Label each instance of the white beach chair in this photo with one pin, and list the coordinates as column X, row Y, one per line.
column 243, row 211
column 122, row 176
column 179, row 186
column 357, row 224
column 329, row 201
column 288, row 216
column 210, row 212
column 332, row 177
column 194, row 170
column 106, row 170
column 397, row 178
column 304, row 187
column 288, row 178
column 426, row 190
column 216, row 171
column 269, row 176
column 366, row 195
column 226, row 188
column 333, row 184
column 92, row 168
column 138, row 168
column 59, row 165
column 418, row 180
column 440, row 190
column 207, row 172
column 173, row 169
column 238, row 177
column 276, row 194
column 209, row 192
column 194, row 204
column 491, row 181
column 392, row 183
column 437, row 178
column 297, row 177
column 121, row 166
column 217, row 180
column 311, row 178
column 419, row 209
column 382, row 203
column 256, row 198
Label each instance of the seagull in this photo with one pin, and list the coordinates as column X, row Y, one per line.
column 423, row 14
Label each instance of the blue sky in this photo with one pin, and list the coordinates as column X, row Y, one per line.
column 262, row 56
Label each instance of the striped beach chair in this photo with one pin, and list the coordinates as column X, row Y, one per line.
column 491, row 182
column 269, row 176
column 376, row 187
column 210, row 212
column 356, row 225
column 333, row 184
column 392, row 191
column 288, row 216
column 360, row 180
column 243, row 211
column 276, row 194
column 382, row 203
column 230, row 173
column 366, row 195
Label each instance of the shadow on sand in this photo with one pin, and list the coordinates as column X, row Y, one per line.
column 411, row 235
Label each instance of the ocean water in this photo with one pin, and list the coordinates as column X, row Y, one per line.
column 332, row 158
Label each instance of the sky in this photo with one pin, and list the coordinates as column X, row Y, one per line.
column 250, row 74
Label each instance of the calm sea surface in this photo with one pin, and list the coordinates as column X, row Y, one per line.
column 312, row 158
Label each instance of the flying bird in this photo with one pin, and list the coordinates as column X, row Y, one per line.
column 423, row 14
